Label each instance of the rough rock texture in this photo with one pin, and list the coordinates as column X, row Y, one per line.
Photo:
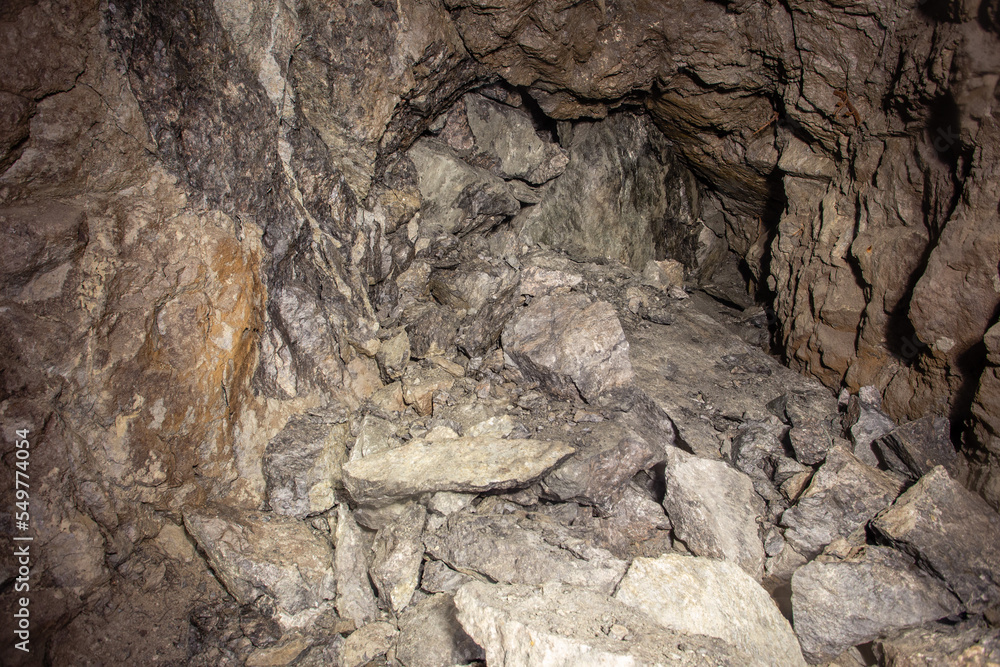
column 714, row 510
column 573, row 346
column 302, row 465
column 620, row 168
column 838, row 604
column 430, row 635
column 843, row 495
column 715, row 598
column 969, row 643
column 522, row 552
column 950, row 531
column 397, row 553
column 524, row 626
column 259, row 554
column 917, row 447
column 456, row 464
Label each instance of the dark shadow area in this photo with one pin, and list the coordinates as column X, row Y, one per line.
column 971, row 364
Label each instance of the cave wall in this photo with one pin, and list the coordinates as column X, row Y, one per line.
column 200, row 202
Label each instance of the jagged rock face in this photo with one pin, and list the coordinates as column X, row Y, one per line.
column 210, row 224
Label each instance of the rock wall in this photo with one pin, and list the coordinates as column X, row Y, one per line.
column 202, row 204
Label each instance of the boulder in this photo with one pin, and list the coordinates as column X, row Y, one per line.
column 355, row 598
column 507, row 549
column 302, row 465
column 711, row 597
column 915, row 448
column 952, row 532
column 431, row 636
column 839, row 604
column 844, row 495
column 968, row 643
column 559, row 625
column 466, row 465
column 397, row 553
column 257, row 554
column 714, row 510
column 572, row 346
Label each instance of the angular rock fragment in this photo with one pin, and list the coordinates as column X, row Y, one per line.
column 715, row 598
column 714, row 510
column 919, row 446
column 396, row 556
column 970, row 643
column 466, row 465
column 844, row 494
column 355, row 598
column 439, row 578
column 867, row 423
column 572, row 346
column 393, row 355
column 432, row 330
column 507, row 135
column 809, row 435
column 302, row 465
column 601, row 468
column 953, row 533
column 367, row 643
column 635, row 524
column 839, row 604
column 526, row 626
column 259, row 554
column 507, row 550
column 431, row 636
column 457, row 197
column 420, row 383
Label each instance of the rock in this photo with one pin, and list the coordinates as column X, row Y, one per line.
column 617, row 170
column 446, row 502
column 715, row 598
column 397, row 553
column 809, row 435
column 393, row 355
column 420, row 383
column 758, row 447
column 458, row 198
column 367, row 643
column 919, row 446
column 258, row 554
column 703, row 375
column 940, row 644
column 601, row 468
column 950, row 531
column 431, row 636
column 844, row 494
column 635, row 524
column 839, row 604
column 507, row 550
column 439, row 578
column 285, row 653
column 355, row 599
column 537, row 281
column 302, row 465
column 466, row 465
column 374, row 435
column 507, row 136
column 867, row 423
column 562, row 625
column 714, row 510
column 574, row 347
column 432, row 330
column 664, row 274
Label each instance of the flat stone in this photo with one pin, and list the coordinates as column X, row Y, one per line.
column 508, row 549
column 397, row 553
column 714, row 510
column 526, row 626
column 466, row 465
column 572, row 346
column 431, row 636
column 258, row 554
column 844, row 494
column 302, row 465
column 952, row 532
column 711, row 597
column 840, row 604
